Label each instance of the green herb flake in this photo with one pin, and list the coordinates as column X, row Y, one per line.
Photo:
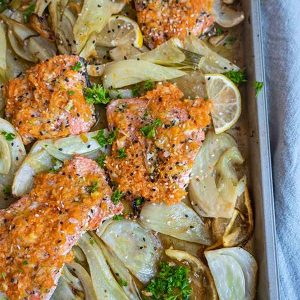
column 28, row 12
column 219, row 31
column 236, row 77
column 105, row 140
column 149, row 130
column 171, row 283
column 70, row 92
column 122, row 153
column 139, row 201
column 116, row 196
column 92, row 242
column 101, row 160
column 122, row 282
column 7, row 191
column 77, row 67
column 96, row 94
column 258, row 87
column 24, row 262
column 3, row 275
column 149, row 85
column 118, row 218
column 93, row 187
column 136, row 91
column 9, row 136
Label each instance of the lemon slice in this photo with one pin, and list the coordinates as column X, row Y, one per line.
column 120, row 30
column 226, row 100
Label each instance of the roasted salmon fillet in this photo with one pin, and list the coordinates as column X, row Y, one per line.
column 158, row 137
column 38, row 231
column 48, row 100
column 160, row 20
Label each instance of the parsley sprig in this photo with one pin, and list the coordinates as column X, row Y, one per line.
column 28, row 12
column 171, row 283
column 96, row 94
column 149, row 130
column 101, row 160
column 146, row 86
column 105, row 139
column 258, row 87
column 116, row 196
column 77, row 67
column 236, row 77
column 9, row 136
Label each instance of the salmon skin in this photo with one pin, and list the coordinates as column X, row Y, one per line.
column 158, row 138
column 161, row 20
column 38, row 231
column 48, row 100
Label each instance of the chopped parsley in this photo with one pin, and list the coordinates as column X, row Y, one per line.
column 258, row 87
column 93, row 187
column 171, row 283
column 219, row 31
column 118, row 217
column 92, row 242
column 149, row 130
column 9, row 136
column 96, row 94
column 122, row 282
column 122, row 153
column 28, row 12
column 3, row 275
column 77, row 67
column 70, row 92
column 138, row 89
column 6, row 190
column 24, row 262
column 101, row 160
column 105, row 140
column 116, row 196
column 139, row 201
column 149, row 85
column 236, row 77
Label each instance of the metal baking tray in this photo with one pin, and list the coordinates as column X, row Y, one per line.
column 259, row 158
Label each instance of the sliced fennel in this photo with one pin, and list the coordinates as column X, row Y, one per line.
column 131, row 71
column 121, row 272
column 85, row 280
column 3, row 72
column 214, row 186
column 211, row 61
column 93, row 17
column 105, row 285
column 226, row 16
column 63, row 291
column 138, row 248
column 202, row 281
column 37, row 160
column 40, row 157
column 167, row 53
column 12, row 155
column 5, row 155
column 177, row 220
column 234, row 272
